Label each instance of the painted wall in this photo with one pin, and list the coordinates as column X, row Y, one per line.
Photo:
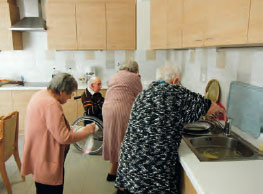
column 36, row 62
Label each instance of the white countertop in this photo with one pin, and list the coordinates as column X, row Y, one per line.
column 230, row 177
column 34, row 86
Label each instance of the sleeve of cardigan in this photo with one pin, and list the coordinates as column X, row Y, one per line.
column 56, row 125
column 193, row 106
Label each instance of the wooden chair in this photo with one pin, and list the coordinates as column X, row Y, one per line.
column 9, row 145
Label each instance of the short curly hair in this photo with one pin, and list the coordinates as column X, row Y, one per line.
column 167, row 73
column 131, row 66
column 63, row 82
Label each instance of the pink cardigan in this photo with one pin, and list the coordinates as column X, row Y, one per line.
column 45, row 137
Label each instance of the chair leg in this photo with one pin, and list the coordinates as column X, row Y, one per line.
column 18, row 162
column 5, row 178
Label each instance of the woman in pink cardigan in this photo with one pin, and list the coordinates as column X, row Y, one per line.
column 48, row 135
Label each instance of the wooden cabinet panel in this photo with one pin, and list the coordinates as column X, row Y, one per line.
column 9, row 40
column 91, row 25
column 20, row 99
column 186, row 185
column 174, row 23
column 61, row 26
column 6, row 103
column 80, row 109
column 121, row 26
column 256, row 22
column 70, row 109
column 227, row 22
column 158, row 24
column 194, row 22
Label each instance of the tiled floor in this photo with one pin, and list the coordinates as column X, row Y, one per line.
column 83, row 175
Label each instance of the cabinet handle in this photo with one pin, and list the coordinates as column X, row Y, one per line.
column 198, row 40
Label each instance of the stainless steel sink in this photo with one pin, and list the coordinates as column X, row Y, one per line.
column 221, row 148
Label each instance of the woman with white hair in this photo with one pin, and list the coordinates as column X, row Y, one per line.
column 122, row 90
column 149, row 160
column 48, row 135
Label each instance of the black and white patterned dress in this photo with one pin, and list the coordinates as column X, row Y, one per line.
column 149, row 153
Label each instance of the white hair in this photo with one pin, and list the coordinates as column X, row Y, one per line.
column 131, row 66
column 167, row 73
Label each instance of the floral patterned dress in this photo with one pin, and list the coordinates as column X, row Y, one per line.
column 149, row 161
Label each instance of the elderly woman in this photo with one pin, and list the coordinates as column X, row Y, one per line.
column 122, row 90
column 149, row 153
column 48, row 135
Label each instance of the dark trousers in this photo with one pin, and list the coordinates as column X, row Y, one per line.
column 49, row 189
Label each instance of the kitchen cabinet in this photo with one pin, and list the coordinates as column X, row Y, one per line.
column 9, row 40
column 89, row 24
column 121, row 26
column 61, row 26
column 166, row 24
column 70, row 109
column 6, row 103
column 158, row 24
column 194, row 17
column 186, row 184
column 174, row 23
column 226, row 22
column 256, row 22
column 17, row 100
column 20, row 100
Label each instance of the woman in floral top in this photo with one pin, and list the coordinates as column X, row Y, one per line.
column 149, row 161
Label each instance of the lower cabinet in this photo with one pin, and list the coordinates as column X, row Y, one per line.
column 186, row 184
column 17, row 100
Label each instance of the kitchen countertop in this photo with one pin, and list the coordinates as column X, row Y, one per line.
column 229, row 177
column 34, row 86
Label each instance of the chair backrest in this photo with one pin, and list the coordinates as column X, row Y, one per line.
column 8, row 135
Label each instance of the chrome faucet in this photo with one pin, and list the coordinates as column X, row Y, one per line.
column 227, row 128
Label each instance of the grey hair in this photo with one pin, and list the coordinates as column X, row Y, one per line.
column 131, row 66
column 167, row 73
column 63, row 82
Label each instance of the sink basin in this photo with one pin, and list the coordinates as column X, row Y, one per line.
column 220, row 148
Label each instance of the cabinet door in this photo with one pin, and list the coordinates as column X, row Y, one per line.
column 174, row 23
column 158, row 24
column 9, row 40
column 194, row 15
column 121, row 26
column 61, row 26
column 20, row 100
column 6, row 103
column 186, row 184
column 256, row 22
column 227, row 22
column 91, row 25
column 70, row 109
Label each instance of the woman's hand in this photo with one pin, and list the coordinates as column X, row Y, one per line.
column 215, row 109
column 89, row 129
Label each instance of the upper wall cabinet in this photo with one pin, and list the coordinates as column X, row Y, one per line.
column 9, row 14
column 158, row 24
column 194, row 17
column 62, row 34
column 121, row 26
column 202, row 23
column 256, row 22
column 166, row 24
column 90, row 24
column 227, row 22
